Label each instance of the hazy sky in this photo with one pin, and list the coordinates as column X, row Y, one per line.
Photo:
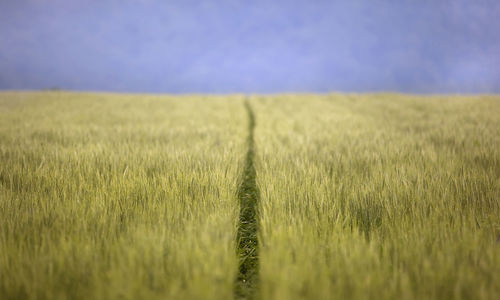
column 221, row 46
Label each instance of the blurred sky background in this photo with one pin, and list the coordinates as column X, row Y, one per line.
column 223, row 46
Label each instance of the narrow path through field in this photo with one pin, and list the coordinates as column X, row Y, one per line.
column 248, row 246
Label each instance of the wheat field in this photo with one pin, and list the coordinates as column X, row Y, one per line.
column 379, row 197
column 129, row 197
column 297, row 196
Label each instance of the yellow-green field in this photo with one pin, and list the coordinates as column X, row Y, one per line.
column 111, row 197
column 379, row 197
column 370, row 196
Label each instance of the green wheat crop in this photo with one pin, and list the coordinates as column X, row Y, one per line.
column 129, row 197
column 381, row 196
column 378, row 196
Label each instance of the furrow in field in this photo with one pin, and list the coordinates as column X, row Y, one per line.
column 248, row 194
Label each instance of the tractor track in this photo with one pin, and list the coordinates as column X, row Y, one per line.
column 247, row 237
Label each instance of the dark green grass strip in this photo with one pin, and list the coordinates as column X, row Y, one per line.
column 248, row 246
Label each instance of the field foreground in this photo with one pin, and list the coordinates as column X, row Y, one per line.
column 338, row 196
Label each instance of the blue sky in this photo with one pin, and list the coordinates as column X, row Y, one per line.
column 225, row 46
